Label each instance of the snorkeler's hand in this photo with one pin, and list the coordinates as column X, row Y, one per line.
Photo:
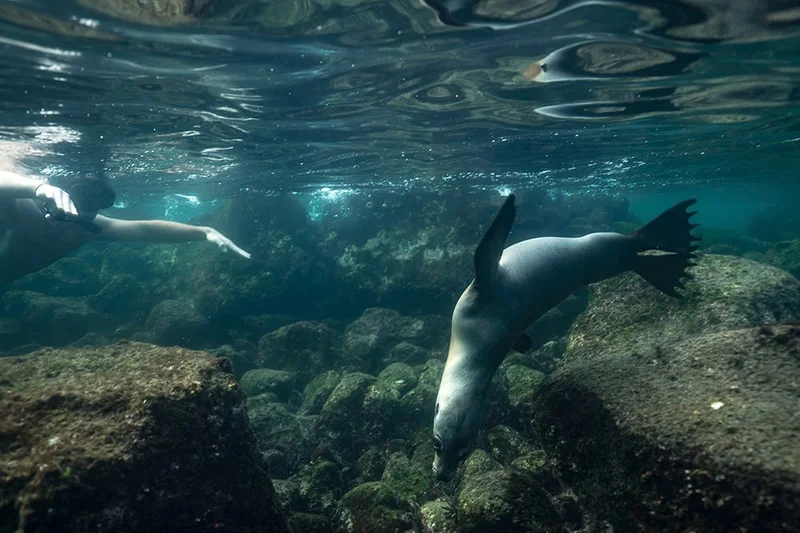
column 224, row 243
column 57, row 202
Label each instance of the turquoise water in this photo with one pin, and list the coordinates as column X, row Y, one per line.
column 237, row 96
column 358, row 150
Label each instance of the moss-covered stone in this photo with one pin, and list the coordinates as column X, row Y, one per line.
column 478, row 463
column 626, row 313
column 129, row 437
column 410, row 354
column 276, row 427
column 374, row 507
column 523, row 385
column 371, row 464
column 306, row 348
column 438, row 516
column 317, row 392
column 411, row 480
column 309, row 523
column 663, row 417
column 399, row 377
column 784, row 255
column 266, row 380
column 321, row 486
column 504, row 500
column 372, row 337
column 506, row 444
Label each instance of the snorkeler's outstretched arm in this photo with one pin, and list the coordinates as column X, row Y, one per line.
column 112, row 229
column 14, row 186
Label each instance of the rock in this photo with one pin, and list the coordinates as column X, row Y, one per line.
column 318, row 391
column 129, row 437
column 523, row 386
column 277, row 428
column 374, row 507
column 309, row 523
column 689, row 422
column 54, row 321
column 505, row 444
column 278, row 464
column 67, row 277
column 321, row 486
column 372, row 464
column 626, row 313
column 287, row 493
column 241, row 363
column 123, row 296
column 399, row 377
column 265, row 380
column 307, row 348
column 784, row 255
column 176, row 322
column 90, row 340
column 438, row 516
column 371, row 338
column 11, row 333
column 504, row 500
column 410, row 354
column 413, row 481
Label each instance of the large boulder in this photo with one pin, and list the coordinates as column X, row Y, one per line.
column 130, row 437
column 675, row 414
column 54, row 320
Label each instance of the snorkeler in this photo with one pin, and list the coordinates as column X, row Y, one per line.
column 41, row 223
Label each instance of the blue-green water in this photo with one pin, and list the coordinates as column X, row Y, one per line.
column 293, row 96
column 359, row 149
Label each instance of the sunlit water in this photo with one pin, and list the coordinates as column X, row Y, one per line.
column 220, row 97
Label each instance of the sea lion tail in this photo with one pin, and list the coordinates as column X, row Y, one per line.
column 671, row 231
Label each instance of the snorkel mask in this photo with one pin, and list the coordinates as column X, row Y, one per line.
column 89, row 196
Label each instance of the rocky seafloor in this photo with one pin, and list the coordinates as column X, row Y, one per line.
column 176, row 388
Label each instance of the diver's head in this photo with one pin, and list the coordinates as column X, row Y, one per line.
column 90, row 195
column 456, row 424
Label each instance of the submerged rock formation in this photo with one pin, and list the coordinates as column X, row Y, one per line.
column 128, row 437
column 675, row 414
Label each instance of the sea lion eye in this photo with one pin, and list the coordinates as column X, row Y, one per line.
column 436, row 411
column 437, row 444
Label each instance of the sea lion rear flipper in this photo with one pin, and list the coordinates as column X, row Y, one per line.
column 489, row 250
column 671, row 231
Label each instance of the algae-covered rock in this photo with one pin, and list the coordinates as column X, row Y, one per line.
column 307, row 348
column 54, row 320
column 412, row 480
column 784, row 255
column 504, row 500
column 378, row 331
column 523, row 386
column 374, row 507
column 438, row 516
column 276, row 427
column 175, row 322
column 321, row 486
column 399, row 377
column 410, row 354
column 627, row 313
column 309, row 523
column 318, row 391
column 264, row 380
column 129, row 437
column 69, row 277
column 663, row 417
column 505, row 444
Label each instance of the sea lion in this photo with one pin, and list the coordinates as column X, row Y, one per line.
column 516, row 285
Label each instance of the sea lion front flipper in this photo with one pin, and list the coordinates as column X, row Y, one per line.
column 489, row 250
